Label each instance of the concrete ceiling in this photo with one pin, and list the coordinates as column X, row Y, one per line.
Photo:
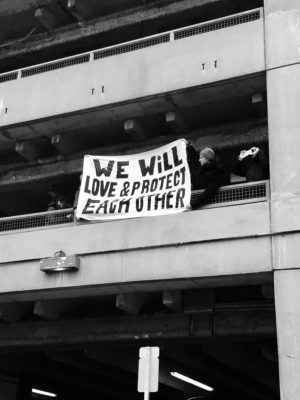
column 17, row 17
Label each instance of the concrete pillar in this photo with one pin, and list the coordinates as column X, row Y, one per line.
column 287, row 302
column 282, row 30
column 283, row 93
column 28, row 149
column 136, row 130
column 176, row 122
column 46, row 18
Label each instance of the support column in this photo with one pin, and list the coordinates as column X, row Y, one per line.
column 283, row 93
column 287, row 303
column 282, row 31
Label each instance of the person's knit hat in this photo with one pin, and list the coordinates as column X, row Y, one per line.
column 207, row 153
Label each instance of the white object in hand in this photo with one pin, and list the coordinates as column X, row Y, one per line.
column 251, row 152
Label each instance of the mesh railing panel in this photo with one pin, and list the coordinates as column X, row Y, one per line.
column 55, row 65
column 226, row 194
column 221, row 24
column 133, row 46
column 237, row 193
column 37, row 220
column 8, row 77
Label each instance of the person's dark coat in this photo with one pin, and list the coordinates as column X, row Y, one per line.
column 193, row 162
column 210, row 177
column 253, row 168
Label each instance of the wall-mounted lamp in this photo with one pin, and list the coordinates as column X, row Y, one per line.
column 60, row 262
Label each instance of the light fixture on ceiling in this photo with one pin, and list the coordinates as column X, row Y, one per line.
column 60, row 262
column 191, row 381
column 43, row 393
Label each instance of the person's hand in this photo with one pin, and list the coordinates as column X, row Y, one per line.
column 254, row 151
column 242, row 155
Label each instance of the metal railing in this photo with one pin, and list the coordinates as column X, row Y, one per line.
column 134, row 45
column 55, row 65
column 225, row 196
column 217, row 24
column 37, row 220
column 238, row 194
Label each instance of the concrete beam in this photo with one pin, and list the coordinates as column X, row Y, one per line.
column 11, row 312
column 172, row 299
column 130, row 303
column 78, row 9
column 65, row 144
column 46, row 18
column 176, row 122
column 49, row 310
column 242, row 321
column 198, row 301
column 41, row 334
column 259, row 103
column 136, row 130
column 28, row 149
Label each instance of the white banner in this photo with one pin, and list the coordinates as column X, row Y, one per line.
column 152, row 183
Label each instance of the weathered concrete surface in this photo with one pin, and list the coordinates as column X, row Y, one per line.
column 284, row 141
column 184, row 246
column 283, row 81
column 190, row 227
column 282, row 32
column 285, row 250
column 8, row 7
column 170, row 264
column 283, row 88
column 287, row 302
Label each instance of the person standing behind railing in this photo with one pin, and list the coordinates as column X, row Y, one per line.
column 58, row 202
column 193, row 162
column 252, row 164
column 210, row 177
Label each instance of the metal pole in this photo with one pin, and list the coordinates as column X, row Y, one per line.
column 147, row 375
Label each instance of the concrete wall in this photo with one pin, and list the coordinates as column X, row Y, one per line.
column 237, row 51
column 205, row 243
column 284, row 141
column 287, row 297
column 283, row 88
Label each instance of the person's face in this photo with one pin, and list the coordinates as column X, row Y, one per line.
column 203, row 160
